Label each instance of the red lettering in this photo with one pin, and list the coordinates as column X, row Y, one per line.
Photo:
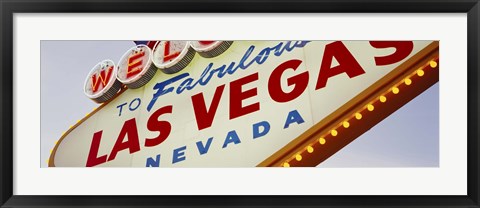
column 346, row 63
column 167, row 56
column 135, row 63
column 203, row 116
column 151, row 44
column 206, row 42
column 402, row 50
column 237, row 96
column 274, row 85
column 163, row 127
column 92, row 159
column 129, row 129
column 104, row 79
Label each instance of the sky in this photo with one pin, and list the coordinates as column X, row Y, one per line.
column 404, row 139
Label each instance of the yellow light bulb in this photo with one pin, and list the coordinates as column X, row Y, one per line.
column 346, row 124
column 70, row 127
column 334, row 132
column 322, row 141
column 433, row 64
column 395, row 90
column 309, row 149
column 286, row 165
column 420, row 72
column 51, row 151
column 47, row 161
column 298, row 157
column 370, row 107
column 358, row 116
column 408, row 81
column 383, row 99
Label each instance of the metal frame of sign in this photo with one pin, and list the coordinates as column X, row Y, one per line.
column 470, row 7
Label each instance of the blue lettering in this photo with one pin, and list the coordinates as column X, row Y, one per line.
column 161, row 91
column 256, row 129
column 231, row 69
column 278, row 50
column 301, row 44
column 262, row 56
column 185, row 84
column 293, row 117
column 204, row 148
column 220, row 71
column 245, row 57
column 120, row 108
column 153, row 162
column 134, row 108
column 204, row 73
column 288, row 46
column 231, row 137
column 179, row 154
column 209, row 71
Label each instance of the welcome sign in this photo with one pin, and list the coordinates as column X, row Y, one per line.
column 242, row 103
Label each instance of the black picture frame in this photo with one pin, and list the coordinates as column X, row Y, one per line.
column 10, row 7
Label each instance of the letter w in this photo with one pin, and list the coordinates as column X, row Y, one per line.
column 104, row 79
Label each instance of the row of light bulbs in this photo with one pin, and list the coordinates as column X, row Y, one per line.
column 358, row 115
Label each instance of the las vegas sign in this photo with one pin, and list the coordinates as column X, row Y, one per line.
column 242, row 103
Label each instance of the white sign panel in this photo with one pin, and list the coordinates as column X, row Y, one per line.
column 232, row 110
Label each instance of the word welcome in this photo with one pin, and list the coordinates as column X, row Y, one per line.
column 138, row 65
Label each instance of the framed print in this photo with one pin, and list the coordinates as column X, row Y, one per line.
column 247, row 104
